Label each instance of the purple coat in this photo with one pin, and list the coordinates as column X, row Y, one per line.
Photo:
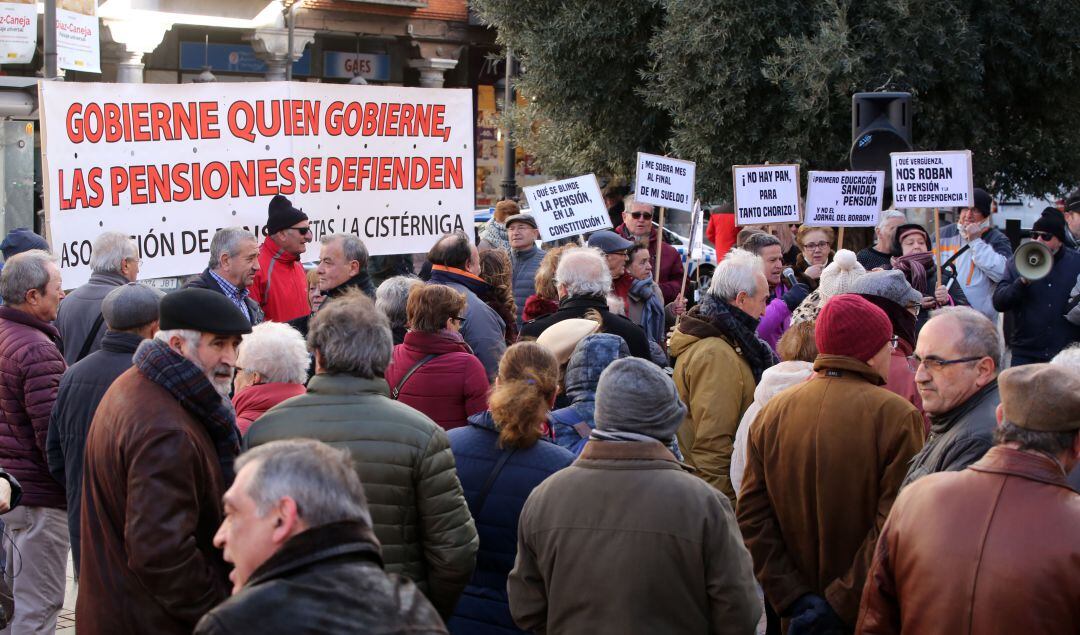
column 30, row 368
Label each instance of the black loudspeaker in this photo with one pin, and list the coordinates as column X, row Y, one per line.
column 880, row 125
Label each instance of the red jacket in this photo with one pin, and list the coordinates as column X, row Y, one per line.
column 902, row 380
column 253, row 401
column 722, row 233
column 449, row 387
column 280, row 285
column 671, row 267
column 30, row 368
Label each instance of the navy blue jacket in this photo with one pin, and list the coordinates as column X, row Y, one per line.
column 81, row 390
column 1040, row 329
column 524, row 264
column 484, row 608
column 591, row 356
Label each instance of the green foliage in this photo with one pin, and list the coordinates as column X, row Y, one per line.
column 725, row 82
column 581, row 64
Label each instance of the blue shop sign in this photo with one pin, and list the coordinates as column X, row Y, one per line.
column 232, row 58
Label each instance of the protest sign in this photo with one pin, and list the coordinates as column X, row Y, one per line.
column 567, row 208
column 78, row 39
column 18, row 31
column 665, row 182
column 844, row 199
column 766, row 194
column 931, row 179
column 170, row 164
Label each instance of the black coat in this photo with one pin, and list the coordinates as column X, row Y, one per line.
column 80, row 392
column 577, row 307
column 326, row 580
column 360, row 281
column 206, row 281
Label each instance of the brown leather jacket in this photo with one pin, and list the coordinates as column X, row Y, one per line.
column 152, row 492
column 993, row 549
column 825, row 460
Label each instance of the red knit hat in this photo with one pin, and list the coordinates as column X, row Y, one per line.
column 852, row 326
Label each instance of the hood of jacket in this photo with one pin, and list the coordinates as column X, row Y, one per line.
column 691, row 329
column 262, row 397
column 830, row 365
column 591, row 356
column 781, row 377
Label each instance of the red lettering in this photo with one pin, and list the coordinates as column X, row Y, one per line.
column 74, row 124
column 118, row 176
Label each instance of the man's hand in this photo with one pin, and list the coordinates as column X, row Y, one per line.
column 795, row 295
column 941, row 294
column 5, row 496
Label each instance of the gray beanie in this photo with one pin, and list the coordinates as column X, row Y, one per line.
column 634, row 395
column 131, row 306
column 891, row 285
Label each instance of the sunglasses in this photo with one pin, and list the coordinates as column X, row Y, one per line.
column 640, row 215
column 304, row 231
column 1041, row 235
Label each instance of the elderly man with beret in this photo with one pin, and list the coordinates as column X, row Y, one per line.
column 131, row 316
column 159, row 456
column 994, row 548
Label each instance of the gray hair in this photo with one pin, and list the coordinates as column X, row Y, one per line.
column 630, row 199
column 320, row 479
column 756, row 242
column 1069, row 358
column 392, row 296
column 276, row 351
column 23, row 272
column 1052, row 443
column 188, row 335
column 110, row 250
column 888, row 215
column 227, row 241
column 351, row 246
column 981, row 337
column 736, row 273
column 351, row 336
column 584, row 271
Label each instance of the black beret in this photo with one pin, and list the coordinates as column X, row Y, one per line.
column 202, row 310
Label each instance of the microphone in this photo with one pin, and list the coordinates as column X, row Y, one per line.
column 789, row 275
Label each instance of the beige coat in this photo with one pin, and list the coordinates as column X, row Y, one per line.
column 717, row 386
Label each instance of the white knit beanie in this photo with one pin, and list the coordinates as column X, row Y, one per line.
column 838, row 277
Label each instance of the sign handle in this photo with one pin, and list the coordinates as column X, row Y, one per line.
column 937, row 241
column 840, row 239
column 659, row 246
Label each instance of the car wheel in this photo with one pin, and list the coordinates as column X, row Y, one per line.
column 704, row 278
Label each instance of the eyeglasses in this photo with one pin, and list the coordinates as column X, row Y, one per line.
column 815, row 246
column 303, row 231
column 640, row 215
column 894, row 341
column 1041, row 235
column 915, row 308
column 935, row 365
column 457, row 318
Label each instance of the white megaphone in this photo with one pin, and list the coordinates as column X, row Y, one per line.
column 1034, row 260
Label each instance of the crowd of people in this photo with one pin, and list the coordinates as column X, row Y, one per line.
column 530, row 438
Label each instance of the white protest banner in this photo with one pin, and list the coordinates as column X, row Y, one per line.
column 78, row 36
column 844, row 199
column 567, row 208
column 665, row 182
column 18, row 31
column 171, row 164
column 931, row 179
column 766, row 194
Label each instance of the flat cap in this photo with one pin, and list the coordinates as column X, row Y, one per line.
column 130, row 306
column 561, row 337
column 202, row 310
column 1041, row 397
column 609, row 242
column 521, row 218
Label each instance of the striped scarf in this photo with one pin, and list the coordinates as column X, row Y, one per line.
column 190, row 386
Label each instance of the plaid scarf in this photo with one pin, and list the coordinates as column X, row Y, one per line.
column 189, row 385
